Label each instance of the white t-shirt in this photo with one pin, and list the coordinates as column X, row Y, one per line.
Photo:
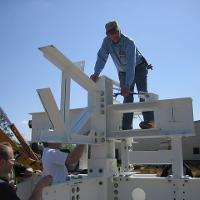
column 53, row 161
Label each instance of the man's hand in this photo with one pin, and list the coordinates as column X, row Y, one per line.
column 94, row 77
column 28, row 172
column 125, row 91
column 45, row 181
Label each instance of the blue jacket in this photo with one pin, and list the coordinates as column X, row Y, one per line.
column 125, row 56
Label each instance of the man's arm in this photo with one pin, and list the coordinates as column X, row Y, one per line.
column 75, row 155
column 102, row 57
column 37, row 192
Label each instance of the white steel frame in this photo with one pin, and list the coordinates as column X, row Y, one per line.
column 100, row 126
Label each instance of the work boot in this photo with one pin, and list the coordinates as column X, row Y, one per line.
column 146, row 125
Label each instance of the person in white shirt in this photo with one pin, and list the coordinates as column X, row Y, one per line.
column 54, row 161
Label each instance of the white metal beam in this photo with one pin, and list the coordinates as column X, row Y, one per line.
column 65, row 65
column 52, row 111
column 80, row 121
column 151, row 157
column 177, row 161
column 171, row 117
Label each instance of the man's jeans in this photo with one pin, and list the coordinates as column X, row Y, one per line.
column 141, row 83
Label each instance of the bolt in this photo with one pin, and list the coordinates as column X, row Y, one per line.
column 115, row 191
column 100, row 183
column 102, row 105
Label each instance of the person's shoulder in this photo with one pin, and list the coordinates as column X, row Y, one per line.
column 50, row 150
column 127, row 39
column 3, row 182
column 7, row 191
column 54, row 152
column 5, row 188
column 46, row 149
column 106, row 39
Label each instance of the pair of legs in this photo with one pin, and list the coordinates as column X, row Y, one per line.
column 141, row 84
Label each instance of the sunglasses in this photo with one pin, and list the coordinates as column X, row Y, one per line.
column 112, row 31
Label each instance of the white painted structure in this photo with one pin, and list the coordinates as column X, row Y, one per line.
column 190, row 145
column 99, row 125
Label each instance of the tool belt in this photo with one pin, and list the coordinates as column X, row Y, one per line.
column 147, row 65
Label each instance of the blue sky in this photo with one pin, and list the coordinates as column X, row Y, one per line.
column 166, row 32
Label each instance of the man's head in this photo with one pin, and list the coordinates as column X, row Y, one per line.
column 113, row 31
column 6, row 158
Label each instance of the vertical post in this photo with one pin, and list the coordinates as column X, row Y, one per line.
column 111, row 149
column 125, row 148
column 83, row 162
column 177, row 162
column 65, row 99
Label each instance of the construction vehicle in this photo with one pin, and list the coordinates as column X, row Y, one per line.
column 23, row 153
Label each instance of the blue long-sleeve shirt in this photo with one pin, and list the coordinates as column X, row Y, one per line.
column 124, row 55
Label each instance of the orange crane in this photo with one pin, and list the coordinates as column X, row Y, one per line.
column 23, row 152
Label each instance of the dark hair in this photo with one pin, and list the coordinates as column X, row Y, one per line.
column 4, row 148
column 45, row 144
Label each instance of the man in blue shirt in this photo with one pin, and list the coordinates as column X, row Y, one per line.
column 131, row 67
